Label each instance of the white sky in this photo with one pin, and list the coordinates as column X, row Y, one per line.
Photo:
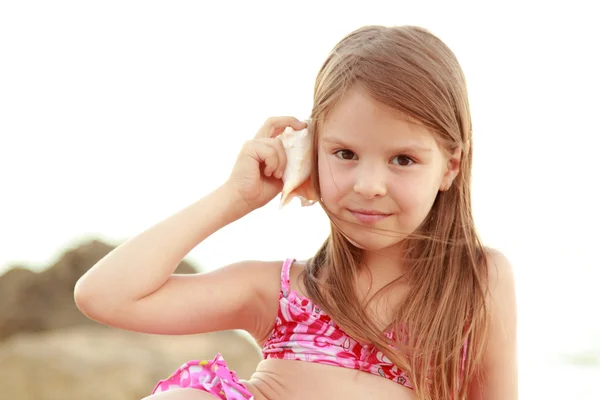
column 115, row 114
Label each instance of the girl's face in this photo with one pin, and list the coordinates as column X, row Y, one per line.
column 378, row 170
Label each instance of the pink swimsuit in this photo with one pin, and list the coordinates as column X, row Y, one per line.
column 302, row 332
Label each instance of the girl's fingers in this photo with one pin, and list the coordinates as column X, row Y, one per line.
column 274, row 126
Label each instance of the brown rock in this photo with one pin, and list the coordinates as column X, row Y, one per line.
column 36, row 302
column 50, row 351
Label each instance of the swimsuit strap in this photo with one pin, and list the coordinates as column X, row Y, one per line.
column 285, row 276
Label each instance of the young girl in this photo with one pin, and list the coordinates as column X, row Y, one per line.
column 402, row 301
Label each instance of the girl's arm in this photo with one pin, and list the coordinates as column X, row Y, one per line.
column 498, row 379
column 134, row 288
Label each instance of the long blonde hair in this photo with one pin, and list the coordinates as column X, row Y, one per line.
column 412, row 71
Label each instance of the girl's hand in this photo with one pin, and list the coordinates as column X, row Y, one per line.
column 256, row 175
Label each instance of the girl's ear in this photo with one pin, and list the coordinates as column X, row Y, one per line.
column 452, row 170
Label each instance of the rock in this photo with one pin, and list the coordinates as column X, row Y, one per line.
column 50, row 351
column 96, row 363
column 35, row 302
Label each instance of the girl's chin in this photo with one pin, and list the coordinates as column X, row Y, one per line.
column 373, row 240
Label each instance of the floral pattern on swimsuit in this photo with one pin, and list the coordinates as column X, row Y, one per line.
column 304, row 332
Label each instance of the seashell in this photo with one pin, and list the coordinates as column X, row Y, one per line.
column 297, row 174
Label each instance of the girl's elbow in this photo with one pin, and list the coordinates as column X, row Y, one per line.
column 90, row 300
column 84, row 298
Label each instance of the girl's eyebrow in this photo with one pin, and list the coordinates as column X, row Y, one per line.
column 411, row 147
column 332, row 140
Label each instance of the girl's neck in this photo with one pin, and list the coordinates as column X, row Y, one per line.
column 383, row 266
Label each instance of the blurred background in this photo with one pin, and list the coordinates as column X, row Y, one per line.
column 115, row 114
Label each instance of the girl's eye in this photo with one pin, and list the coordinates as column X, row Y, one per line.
column 402, row 161
column 345, row 154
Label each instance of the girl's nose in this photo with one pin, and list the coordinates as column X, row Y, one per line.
column 370, row 183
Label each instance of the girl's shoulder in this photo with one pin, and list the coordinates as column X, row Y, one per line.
column 499, row 363
column 499, row 268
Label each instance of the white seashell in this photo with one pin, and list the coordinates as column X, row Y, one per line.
column 297, row 173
